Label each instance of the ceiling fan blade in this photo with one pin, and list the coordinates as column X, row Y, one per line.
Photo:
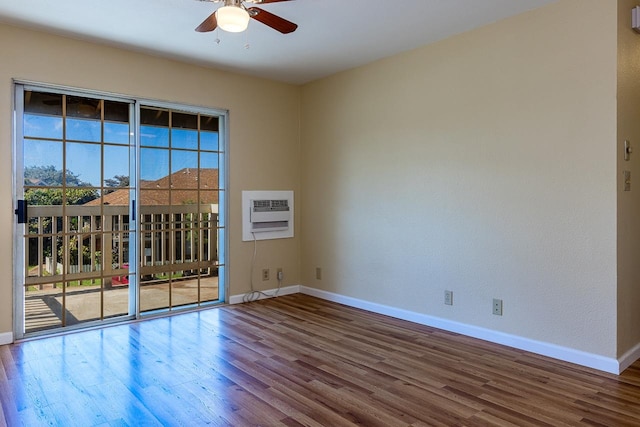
column 271, row 20
column 208, row 24
column 270, row 1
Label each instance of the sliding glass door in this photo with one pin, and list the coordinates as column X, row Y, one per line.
column 119, row 209
column 180, row 195
column 73, row 149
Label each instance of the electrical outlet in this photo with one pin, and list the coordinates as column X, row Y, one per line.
column 497, row 307
column 265, row 274
column 318, row 273
column 279, row 274
column 448, row 297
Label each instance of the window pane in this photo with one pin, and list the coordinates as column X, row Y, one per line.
column 117, row 133
column 184, row 121
column 43, row 197
column 154, row 293
column 152, row 136
column 153, row 197
column 209, row 160
column 185, row 201
column 82, row 196
column 184, row 169
column 39, row 299
column 208, row 179
column 185, row 290
column 208, row 123
column 42, row 126
column 83, row 164
column 42, row 103
column 209, row 141
column 116, row 300
column 209, row 198
column 116, row 166
column 84, row 130
column 184, row 138
column 209, row 173
column 154, row 116
column 116, row 111
column 208, row 245
column 88, row 108
column 154, row 167
column 209, row 285
column 119, row 246
column 83, row 301
column 42, row 163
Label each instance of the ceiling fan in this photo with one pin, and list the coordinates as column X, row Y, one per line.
column 234, row 17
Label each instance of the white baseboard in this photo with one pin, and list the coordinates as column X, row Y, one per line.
column 606, row 364
column 629, row 357
column 566, row 354
column 6, row 338
column 271, row 293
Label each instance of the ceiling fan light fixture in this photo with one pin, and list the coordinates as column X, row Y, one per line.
column 233, row 19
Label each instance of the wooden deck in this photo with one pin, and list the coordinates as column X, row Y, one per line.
column 296, row 360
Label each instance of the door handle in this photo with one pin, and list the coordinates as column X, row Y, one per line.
column 21, row 211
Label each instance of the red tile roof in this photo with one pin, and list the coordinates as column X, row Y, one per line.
column 183, row 185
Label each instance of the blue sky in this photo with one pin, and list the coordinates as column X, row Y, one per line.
column 82, row 158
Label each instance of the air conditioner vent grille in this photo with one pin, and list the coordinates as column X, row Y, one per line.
column 270, row 205
column 280, row 204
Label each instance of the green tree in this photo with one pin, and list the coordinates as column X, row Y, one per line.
column 77, row 193
column 53, row 196
column 50, row 176
column 118, row 181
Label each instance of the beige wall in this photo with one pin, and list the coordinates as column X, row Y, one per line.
column 628, row 202
column 489, row 164
column 264, row 132
column 484, row 164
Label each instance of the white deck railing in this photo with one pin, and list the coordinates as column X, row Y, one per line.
column 88, row 242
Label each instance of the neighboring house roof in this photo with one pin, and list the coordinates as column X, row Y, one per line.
column 34, row 181
column 183, row 185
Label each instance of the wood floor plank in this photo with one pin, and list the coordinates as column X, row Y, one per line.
column 290, row 396
column 299, row 361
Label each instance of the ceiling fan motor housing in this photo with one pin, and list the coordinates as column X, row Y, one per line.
column 237, row 16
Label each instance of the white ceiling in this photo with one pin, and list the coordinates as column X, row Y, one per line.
column 333, row 35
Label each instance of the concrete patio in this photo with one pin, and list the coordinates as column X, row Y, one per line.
column 43, row 308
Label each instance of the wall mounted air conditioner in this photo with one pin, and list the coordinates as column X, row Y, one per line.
column 267, row 215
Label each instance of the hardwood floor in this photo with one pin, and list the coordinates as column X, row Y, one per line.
column 297, row 360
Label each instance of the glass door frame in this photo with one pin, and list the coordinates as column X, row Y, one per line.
column 223, row 205
column 19, row 271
